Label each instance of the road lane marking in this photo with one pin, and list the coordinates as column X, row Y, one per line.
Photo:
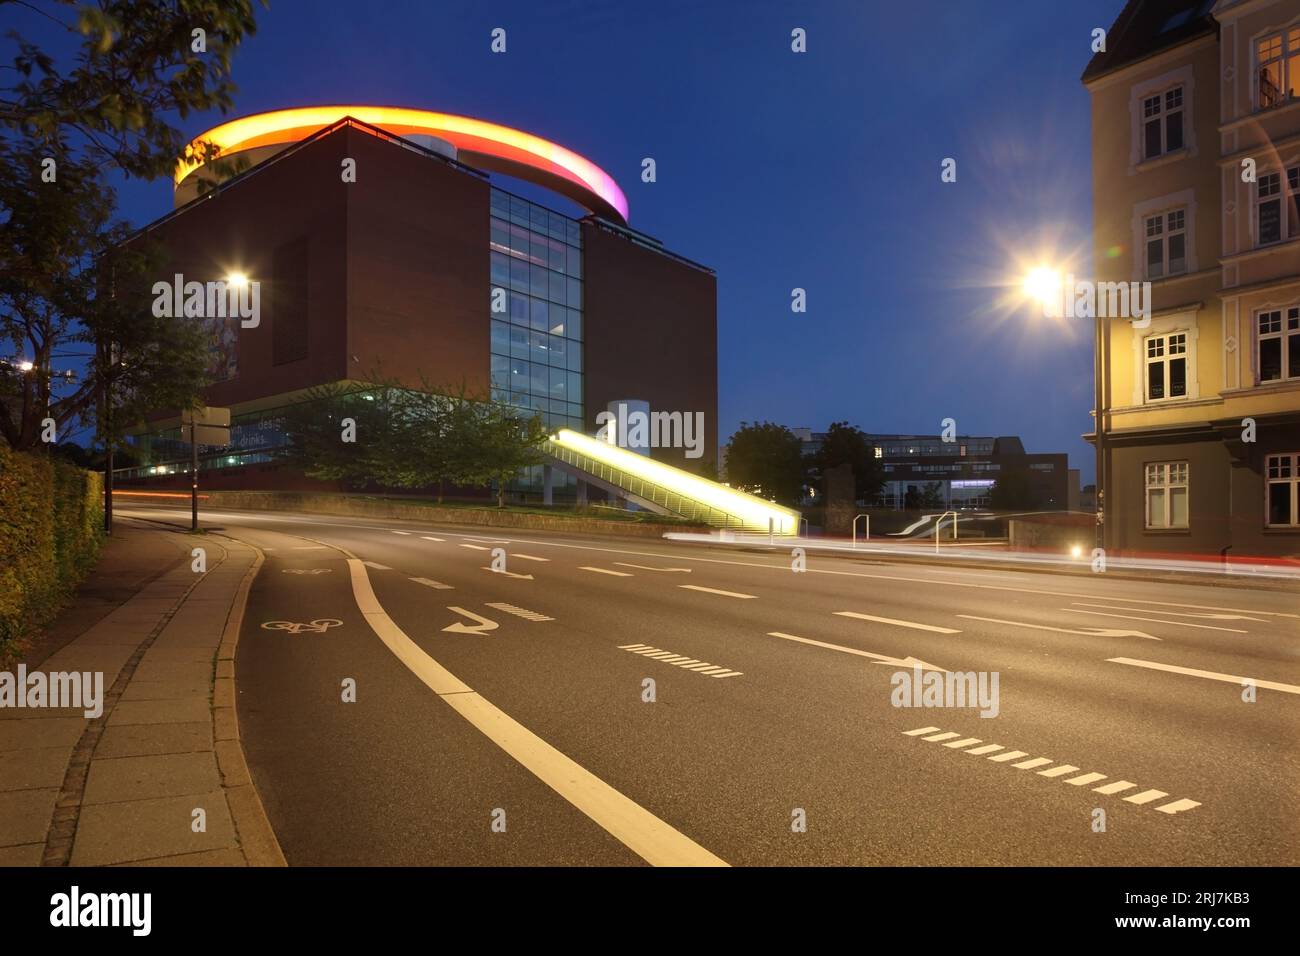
column 678, row 660
column 1146, row 796
column 1147, row 610
column 1057, row 772
column 376, row 565
column 429, row 537
column 1117, row 787
column 401, row 532
column 1177, row 806
column 526, row 557
column 1035, row 762
column 308, row 547
column 1085, row 779
column 617, row 574
column 509, row 574
column 523, row 612
column 890, row 620
column 1209, row 675
column 734, row 594
column 483, row 625
column 1087, row 632
column 1156, row 620
column 646, row 567
column 475, row 547
column 437, row 585
column 909, row 662
column 628, row 822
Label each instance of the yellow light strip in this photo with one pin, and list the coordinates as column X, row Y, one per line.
column 753, row 511
column 230, row 137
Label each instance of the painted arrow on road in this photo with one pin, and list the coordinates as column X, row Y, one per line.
column 1209, row 675
column 909, row 662
column 509, row 574
column 484, row 624
column 646, row 567
column 1203, row 615
column 1086, row 632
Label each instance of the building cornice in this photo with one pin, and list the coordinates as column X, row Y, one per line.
column 1155, row 61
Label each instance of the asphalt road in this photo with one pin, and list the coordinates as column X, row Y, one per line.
column 559, row 758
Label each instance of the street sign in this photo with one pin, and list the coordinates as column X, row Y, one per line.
column 206, row 415
column 206, row 435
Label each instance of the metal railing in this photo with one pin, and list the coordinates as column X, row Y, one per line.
column 867, row 529
column 938, row 522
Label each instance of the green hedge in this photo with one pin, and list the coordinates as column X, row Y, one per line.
column 51, row 528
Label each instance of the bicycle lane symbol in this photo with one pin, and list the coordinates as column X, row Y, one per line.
column 319, row 626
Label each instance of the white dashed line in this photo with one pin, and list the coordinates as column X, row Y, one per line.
column 376, row 565
column 617, row 574
column 527, row 557
column 734, row 594
column 475, row 547
column 437, row 585
column 677, row 660
column 1063, row 770
column 429, row 537
column 890, row 620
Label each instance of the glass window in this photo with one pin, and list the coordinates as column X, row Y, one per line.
column 500, row 371
column 574, row 325
column 575, row 293
column 519, row 275
column 520, row 373
column 500, row 338
column 1167, row 495
column 559, row 379
column 539, row 314
column 558, row 348
column 500, row 270
column 575, row 357
column 538, row 352
column 555, row 287
column 574, row 257
column 575, row 386
column 1162, row 123
column 500, row 236
column 1282, row 486
column 518, row 344
column 538, row 283
column 1278, row 343
column 539, row 379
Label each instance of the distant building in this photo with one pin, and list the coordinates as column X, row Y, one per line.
column 960, row 474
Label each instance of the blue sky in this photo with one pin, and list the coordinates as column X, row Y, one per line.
column 818, row 170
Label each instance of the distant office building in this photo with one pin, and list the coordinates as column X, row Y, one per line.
column 926, row 471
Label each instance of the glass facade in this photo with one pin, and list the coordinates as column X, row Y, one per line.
column 535, row 308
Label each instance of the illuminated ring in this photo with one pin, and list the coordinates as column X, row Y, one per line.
column 478, row 143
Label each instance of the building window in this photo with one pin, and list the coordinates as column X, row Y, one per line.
column 1279, row 344
column 1162, row 123
column 1282, row 482
column 1277, row 206
column 1166, row 359
column 1167, row 494
column 1166, row 238
column 1278, row 73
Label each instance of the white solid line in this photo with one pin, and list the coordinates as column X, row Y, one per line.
column 917, row 733
column 963, row 743
column 986, row 749
column 1193, row 672
column 1115, row 787
column 1146, row 796
column 1036, row 762
column 944, row 736
column 1086, row 778
column 1060, row 771
column 438, row 585
column 890, row 620
column 637, row 828
column 880, row 658
column 475, row 547
column 1147, row 610
column 428, row 537
column 1177, row 805
column 735, row 594
column 617, row 574
column 376, row 565
column 1156, row 620
column 401, row 532
column 527, row 557
column 1009, row 755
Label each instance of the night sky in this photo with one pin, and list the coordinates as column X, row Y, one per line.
column 818, row 170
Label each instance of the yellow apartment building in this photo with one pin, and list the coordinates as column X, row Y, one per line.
column 1196, row 189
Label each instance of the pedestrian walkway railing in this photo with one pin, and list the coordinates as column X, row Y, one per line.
column 674, row 490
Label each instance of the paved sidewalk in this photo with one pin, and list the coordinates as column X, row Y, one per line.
column 159, row 778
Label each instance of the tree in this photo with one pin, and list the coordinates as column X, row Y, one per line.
column 767, row 459
column 847, row 444
column 932, row 495
column 1012, row 491
column 504, row 445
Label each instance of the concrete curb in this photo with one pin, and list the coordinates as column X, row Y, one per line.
column 256, row 837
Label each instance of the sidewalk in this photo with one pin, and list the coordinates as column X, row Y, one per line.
column 159, row 777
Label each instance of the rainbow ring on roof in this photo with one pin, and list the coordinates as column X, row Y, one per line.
column 478, row 143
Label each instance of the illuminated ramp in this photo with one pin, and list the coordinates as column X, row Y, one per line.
column 665, row 489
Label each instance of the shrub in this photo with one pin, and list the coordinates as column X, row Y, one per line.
column 50, row 532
